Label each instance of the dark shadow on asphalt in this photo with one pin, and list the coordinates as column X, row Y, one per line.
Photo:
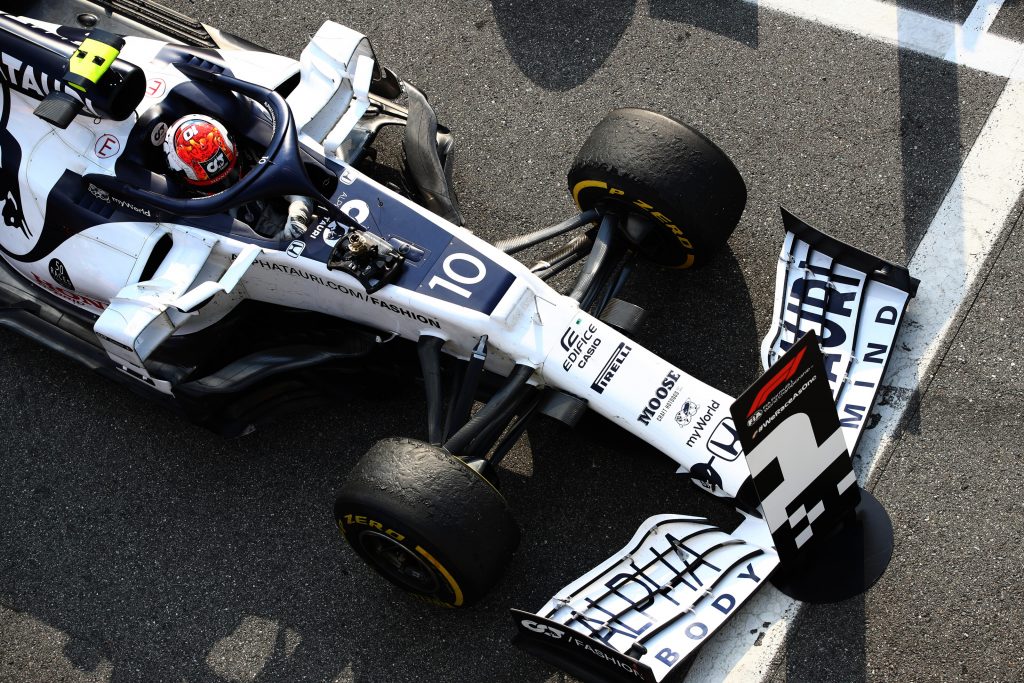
column 701, row 320
column 733, row 19
column 930, row 138
column 559, row 45
column 842, row 646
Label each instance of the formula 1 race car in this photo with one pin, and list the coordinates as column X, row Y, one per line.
column 316, row 265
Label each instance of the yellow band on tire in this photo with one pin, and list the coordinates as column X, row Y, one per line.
column 584, row 184
column 444, row 572
column 689, row 262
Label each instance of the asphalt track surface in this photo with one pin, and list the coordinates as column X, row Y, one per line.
column 137, row 547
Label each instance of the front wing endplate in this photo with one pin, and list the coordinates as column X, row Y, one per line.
column 645, row 610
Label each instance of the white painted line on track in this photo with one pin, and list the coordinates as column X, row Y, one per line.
column 949, row 258
column 906, row 29
column 976, row 25
column 969, row 222
column 981, row 17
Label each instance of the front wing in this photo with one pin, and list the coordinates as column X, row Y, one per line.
column 647, row 608
column 643, row 612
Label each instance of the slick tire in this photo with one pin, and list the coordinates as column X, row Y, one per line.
column 425, row 521
column 682, row 193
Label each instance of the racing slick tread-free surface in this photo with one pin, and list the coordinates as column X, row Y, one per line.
column 667, row 172
column 449, row 519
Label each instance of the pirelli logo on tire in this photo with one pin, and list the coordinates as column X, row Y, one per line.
column 644, row 206
column 350, row 520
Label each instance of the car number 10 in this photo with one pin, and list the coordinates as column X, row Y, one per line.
column 479, row 272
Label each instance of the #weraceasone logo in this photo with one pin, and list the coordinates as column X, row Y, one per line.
column 787, row 371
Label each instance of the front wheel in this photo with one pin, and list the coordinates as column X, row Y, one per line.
column 426, row 522
column 683, row 195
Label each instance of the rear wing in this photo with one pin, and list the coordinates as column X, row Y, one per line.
column 642, row 613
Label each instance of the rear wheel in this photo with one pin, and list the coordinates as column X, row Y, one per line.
column 682, row 193
column 426, row 522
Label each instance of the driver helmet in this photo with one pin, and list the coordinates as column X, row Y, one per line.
column 200, row 149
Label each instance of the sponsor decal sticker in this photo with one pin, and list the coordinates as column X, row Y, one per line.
column 724, row 441
column 73, row 297
column 157, row 135
column 579, row 346
column 124, row 204
column 705, row 476
column 796, row 450
column 296, row 248
column 661, row 396
column 669, row 591
column 99, row 193
column 332, row 233
column 607, row 373
column 591, row 648
column 338, row 287
column 60, row 274
column 686, row 412
column 787, row 371
column 363, row 520
column 702, row 423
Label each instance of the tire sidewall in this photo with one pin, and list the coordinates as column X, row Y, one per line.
column 369, row 518
column 678, row 247
column 448, row 516
column 672, row 177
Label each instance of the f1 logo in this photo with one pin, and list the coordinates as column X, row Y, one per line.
column 781, row 376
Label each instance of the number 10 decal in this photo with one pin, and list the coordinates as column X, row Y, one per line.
column 476, row 268
column 464, row 277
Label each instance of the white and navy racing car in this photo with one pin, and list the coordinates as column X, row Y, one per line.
column 315, row 265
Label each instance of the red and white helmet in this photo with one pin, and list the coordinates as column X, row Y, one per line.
column 201, row 149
